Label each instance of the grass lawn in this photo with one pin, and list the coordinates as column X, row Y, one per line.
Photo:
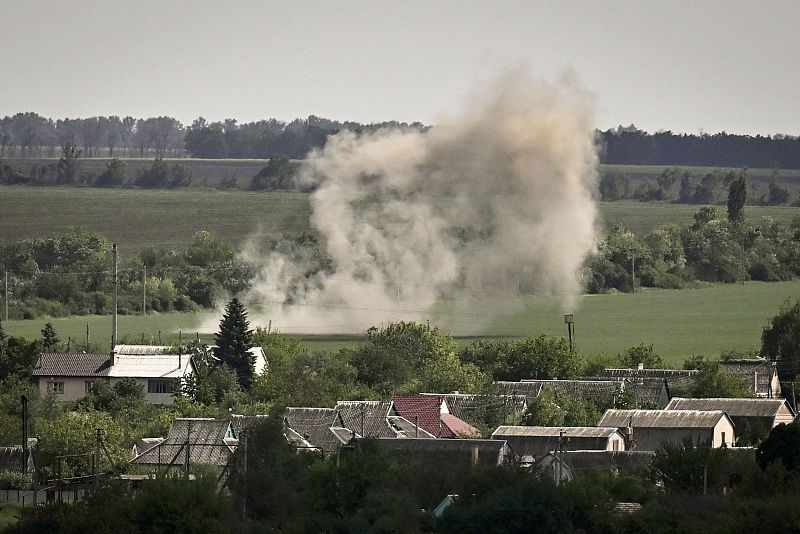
column 8, row 514
column 679, row 323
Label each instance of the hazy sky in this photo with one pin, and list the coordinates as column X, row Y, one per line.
column 678, row 65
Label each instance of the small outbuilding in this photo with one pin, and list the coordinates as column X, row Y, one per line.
column 528, row 443
column 648, row 430
column 754, row 418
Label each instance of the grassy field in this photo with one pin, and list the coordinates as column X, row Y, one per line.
column 140, row 218
column 679, row 323
column 8, row 514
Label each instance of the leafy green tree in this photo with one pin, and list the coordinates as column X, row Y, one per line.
column 737, row 196
column 640, row 354
column 614, row 186
column 68, row 165
column 541, row 357
column 17, row 355
column 114, row 175
column 211, row 381
column 234, row 340
column 782, row 444
column 712, row 382
column 49, row 338
column 681, row 466
column 392, row 359
column 556, row 408
column 776, row 194
column 780, row 341
column 278, row 174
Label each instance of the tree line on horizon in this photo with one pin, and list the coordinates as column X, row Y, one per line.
column 33, row 136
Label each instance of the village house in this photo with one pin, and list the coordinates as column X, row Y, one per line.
column 604, row 390
column 647, row 430
column 758, row 374
column 316, row 429
column 372, row 419
column 529, row 443
column 477, row 409
column 70, row 376
column 191, row 440
column 753, row 418
column 432, row 414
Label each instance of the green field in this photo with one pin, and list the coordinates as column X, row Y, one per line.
column 140, row 218
column 9, row 512
column 679, row 323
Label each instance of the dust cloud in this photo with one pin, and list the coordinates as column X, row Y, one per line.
column 490, row 204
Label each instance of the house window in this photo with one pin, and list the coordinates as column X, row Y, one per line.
column 55, row 387
column 616, row 445
column 88, row 385
column 160, row 386
column 723, row 439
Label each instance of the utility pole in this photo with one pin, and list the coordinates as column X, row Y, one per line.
column 24, row 400
column 570, row 320
column 98, row 434
column 114, row 318
column 5, row 299
column 633, row 272
column 144, row 292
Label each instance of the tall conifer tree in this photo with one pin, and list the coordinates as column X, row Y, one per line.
column 233, row 342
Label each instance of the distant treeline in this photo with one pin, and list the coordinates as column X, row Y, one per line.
column 631, row 146
column 31, row 135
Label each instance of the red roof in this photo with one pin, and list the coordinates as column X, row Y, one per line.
column 427, row 409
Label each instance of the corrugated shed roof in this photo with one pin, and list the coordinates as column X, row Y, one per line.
column 458, row 427
column 529, row 443
column 650, row 373
column 733, row 407
column 580, row 462
column 406, row 429
column 11, row 458
column 647, row 391
column 72, row 364
column 426, row 409
column 314, row 425
column 661, row 418
column 490, row 451
column 586, row 389
column 569, row 431
column 209, row 443
column 243, row 422
column 476, row 409
column 150, row 366
column 141, row 350
column 375, row 424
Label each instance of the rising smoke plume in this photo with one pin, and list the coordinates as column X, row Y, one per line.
column 495, row 201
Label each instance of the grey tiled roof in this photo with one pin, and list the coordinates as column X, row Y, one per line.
column 650, row 373
column 586, row 389
column 535, row 441
column 207, row 444
column 489, row 451
column 733, row 407
column 375, row 424
column 661, row 418
column 72, row 364
column 652, row 391
column 314, row 425
column 476, row 409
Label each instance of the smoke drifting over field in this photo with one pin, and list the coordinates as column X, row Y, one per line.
column 494, row 201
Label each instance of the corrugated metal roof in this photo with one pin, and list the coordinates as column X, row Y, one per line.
column 569, row 431
column 375, row 424
column 426, row 409
column 72, row 364
column 207, row 443
column 476, row 409
column 733, row 407
column 458, row 427
column 650, row 373
column 661, row 418
column 150, row 366
column 314, row 425
column 586, row 389
column 141, row 350
column 490, row 451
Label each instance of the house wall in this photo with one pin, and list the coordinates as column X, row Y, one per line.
column 616, row 443
column 74, row 387
column 724, row 426
column 784, row 416
column 152, row 398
